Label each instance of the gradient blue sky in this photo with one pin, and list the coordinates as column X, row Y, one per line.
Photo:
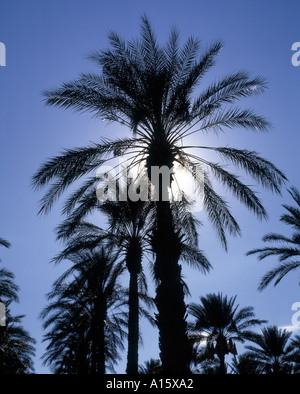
column 47, row 43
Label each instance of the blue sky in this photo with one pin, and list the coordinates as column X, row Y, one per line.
column 47, row 43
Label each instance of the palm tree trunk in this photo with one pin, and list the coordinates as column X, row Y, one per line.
column 98, row 345
column 134, row 255
column 221, row 348
column 175, row 352
column 82, row 367
column 223, row 370
column 133, row 325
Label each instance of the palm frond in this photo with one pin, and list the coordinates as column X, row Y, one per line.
column 239, row 190
column 219, row 214
column 279, row 273
column 259, row 168
column 5, row 243
column 195, row 258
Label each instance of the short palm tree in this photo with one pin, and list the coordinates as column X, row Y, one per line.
column 85, row 321
column 8, row 288
column 150, row 89
column 243, row 365
column 17, row 348
column 288, row 249
column 16, row 345
column 151, row 367
column 274, row 354
column 294, row 356
column 219, row 322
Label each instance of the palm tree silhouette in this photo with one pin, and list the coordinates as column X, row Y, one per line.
column 219, row 322
column 294, row 356
column 8, row 288
column 16, row 345
column 16, row 348
column 273, row 353
column 128, row 235
column 86, row 320
column 130, row 228
column 151, row 367
column 288, row 251
column 149, row 89
column 242, row 365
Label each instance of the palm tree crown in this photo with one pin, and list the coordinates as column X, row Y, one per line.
column 150, row 89
column 86, row 320
column 16, row 345
column 219, row 322
column 274, row 353
column 17, row 348
column 288, row 249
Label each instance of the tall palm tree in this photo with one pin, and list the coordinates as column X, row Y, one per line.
column 219, row 322
column 288, row 249
column 127, row 239
column 274, row 354
column 129, row 224
column 85, row 321
column 149, row 89
column 129, row 228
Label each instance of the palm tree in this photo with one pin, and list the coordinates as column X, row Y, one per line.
column 129, row 228
column 295, row 353
column 85, row 321
column 288, row 250
column 16, row 345
column 151, row 367
column 127, row 238
column 243, row 365
column 16, row 348
column 219, row 322
column 8, row 288
column 129, row 225
column 273, row 353
column 149, row 89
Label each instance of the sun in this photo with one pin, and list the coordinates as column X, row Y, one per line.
column 184, row 184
